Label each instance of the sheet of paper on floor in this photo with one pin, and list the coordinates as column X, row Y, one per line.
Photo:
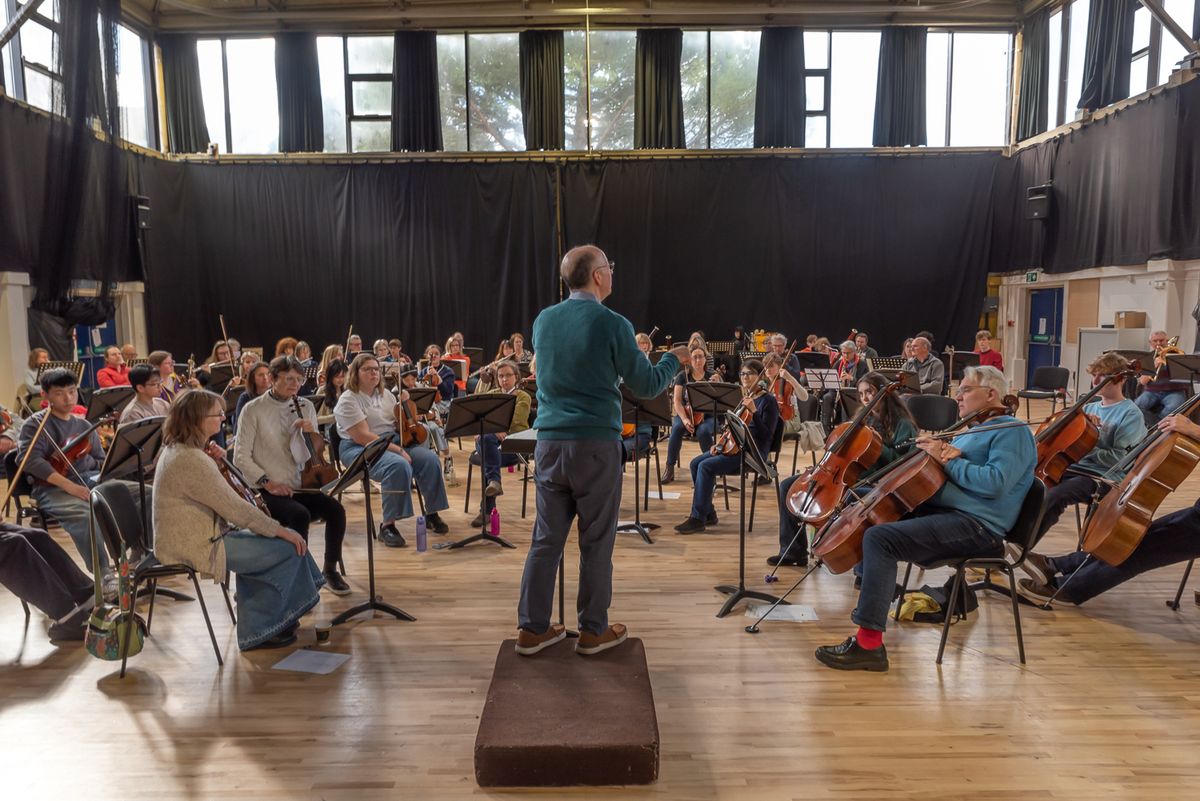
column 306, row 660
column 794, row 612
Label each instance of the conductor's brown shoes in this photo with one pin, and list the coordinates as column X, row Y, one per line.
column 589, row 643
column 529, row 643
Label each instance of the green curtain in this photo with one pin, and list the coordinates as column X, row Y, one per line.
column 416, row 105
column 658, row 93
column 298, row 86
column 1033, row 110
column 900, row 88
column 542, row 103
column 1109, row 49
column 779, row 93
column 187, row 129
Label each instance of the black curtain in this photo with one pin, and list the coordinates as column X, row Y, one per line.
column 187, row 130
column 298, row 84
column 1109, row 49
column 658, row 93
column 416, row 106
column 1034, row 109
column 542, row 102
column 779, row 93
column 900, row 88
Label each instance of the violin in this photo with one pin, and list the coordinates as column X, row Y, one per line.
column 63, row 459
column 238, row 483
column 852, row 447
column 411, row 432
column 1157, row 466
column 902, row 487
column 1065, row 438
column 317, row 471
column 726, row 444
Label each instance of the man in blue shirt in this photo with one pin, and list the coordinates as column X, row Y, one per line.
column 989, row 470
column 584, row 351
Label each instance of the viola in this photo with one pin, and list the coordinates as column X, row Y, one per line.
column 411, row 432
column 726, row 445
column 901, row 488
column 317, row 471
column 1157, row 467
column 852, row 447
column 1065, row 438
column 783, row 392
column 238, row 483
column 64, row 458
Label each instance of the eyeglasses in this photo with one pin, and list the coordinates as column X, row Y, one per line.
column 368, row 369
column 745, row 373
column 218, row 414
column 964, row 390
column 612, row 266
column 294, row 379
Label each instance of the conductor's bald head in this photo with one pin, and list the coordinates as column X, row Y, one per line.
column 586, row 268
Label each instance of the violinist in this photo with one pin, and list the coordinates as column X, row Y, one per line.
column 271, row 453
column 220, row 356
column 1160, row 395
column 258, row 381
column 708, row 465
column 929, row 368
column 779, row 346
column 896, row 429
column 114, row 373
column 685, row 414
column 508, row 375
column 201, row 521
column 1121, row 427
column 1169, row 540
column 432, row 423
column 365, row 412
column 787, row 390
column 850, row 368
column 989, row 470
column 442, row 378
column 147, row 395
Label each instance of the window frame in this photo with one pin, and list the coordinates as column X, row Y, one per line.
column 827, row 75
column 363, row 77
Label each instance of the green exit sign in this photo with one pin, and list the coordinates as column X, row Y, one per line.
column 1031, row 277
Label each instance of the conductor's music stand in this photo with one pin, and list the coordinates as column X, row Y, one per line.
column 715, row 397
column 360, row 470
column 480, row 414
column 655, row 411
column 110, row 400
column 749, row 455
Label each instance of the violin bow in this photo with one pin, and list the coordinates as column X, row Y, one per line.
column 12, row 481
column 346, row 350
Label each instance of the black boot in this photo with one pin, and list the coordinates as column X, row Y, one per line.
column 849, row 655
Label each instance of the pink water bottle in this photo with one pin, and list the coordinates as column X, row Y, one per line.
column 512, row 469
column 494, row 523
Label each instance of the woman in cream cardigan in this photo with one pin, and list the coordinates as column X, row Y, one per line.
column 200, row 521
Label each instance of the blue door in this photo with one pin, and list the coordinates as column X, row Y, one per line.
column 1044, row 337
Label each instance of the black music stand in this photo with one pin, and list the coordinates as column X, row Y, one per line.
column 220, row 375
column 748, row 453
column 490, row 413
column 716, row 397
column 474, row 354
column 360, row 470
column 109, row 400
column 1184, row 368
column 656, row 411
column 956, row 362
column 422, row 398
column 310, row 379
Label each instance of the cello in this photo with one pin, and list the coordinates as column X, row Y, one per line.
column 1156, row 468
column 1065, row 438
column 852, row 447
column 901, row 488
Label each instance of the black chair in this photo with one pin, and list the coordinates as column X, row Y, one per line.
column 651, row 450
column 776, row 446
column 1020, row 538
column 474, row 460
column 1049, row 383
column 118, row 522
column 932, row 412
column 1187, row 572
column 22, row 491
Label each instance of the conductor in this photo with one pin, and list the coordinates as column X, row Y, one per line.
column 584, row 351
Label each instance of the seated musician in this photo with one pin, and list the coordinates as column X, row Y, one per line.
column 1160, row 395
column 861, row 341
column 520, row 355
column 37, row 570
column 788, row 392
column 353, row 347
column 454, row 353
column 172, row 384
column 37, row 357
column 285, row 347
column 635, row 442
column 331, row 353
column 710, row 464
column 508, row 375
column 129, row 352
column 65, row 495
column 304, row 355
column 201, row 521
column 686, row 413
column 365, row 412
column 928, row 367
column 446, row 384
column 644, row 343
column 850, row 368
column 258, row 381
column 10, row 427
column 147, row 399
column 987, row 356
column 331, row 390
column 778, row 344
column 396, row 352
column 822, row 345
column 114, row 373
column 1169, row 540
column 432, row 422
column 1121, row 427
column 896, row 429
column 271, row 454
column 809, row 342
column 380, row 349
column 988, row 473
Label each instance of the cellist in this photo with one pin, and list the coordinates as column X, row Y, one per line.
column 1169, row 540
column 988, row 473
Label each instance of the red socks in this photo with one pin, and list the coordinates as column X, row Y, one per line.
column 869, row 638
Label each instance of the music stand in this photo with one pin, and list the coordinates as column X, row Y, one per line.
column 474, row 354
column 748, row 454
column 812, row 360
column 490, row 413
column 360, row 470
column 956, row 362
column 232, row 395
column 1183, row 368
column 656, row 411
column 310, row 379
column 458, row 367
column 110, row 400
column 716, row 397
column 422, row 398
column 219, row 377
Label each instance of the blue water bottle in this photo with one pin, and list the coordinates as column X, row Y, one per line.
column 421, row 542
column 494, row 523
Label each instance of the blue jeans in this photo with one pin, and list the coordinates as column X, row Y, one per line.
column 922, row 539
column 275, row 585
column 493, row 460
column 1157, row 405
column 72, row 514
column 704, row 436
column 395, row 475
column 705, row 469
column 638, row 444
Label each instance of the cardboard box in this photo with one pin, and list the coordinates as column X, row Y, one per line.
column 1130, row 319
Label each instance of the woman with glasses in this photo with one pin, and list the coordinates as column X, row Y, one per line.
column 200, row 521
column 271, row 453
column 697, row 371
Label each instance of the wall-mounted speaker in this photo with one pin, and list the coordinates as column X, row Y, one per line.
column 1039, row 201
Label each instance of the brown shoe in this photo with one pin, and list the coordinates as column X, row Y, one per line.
column 529, row 643
column 595, row 643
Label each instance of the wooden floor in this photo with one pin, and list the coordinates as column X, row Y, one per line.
column 1108, row 706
